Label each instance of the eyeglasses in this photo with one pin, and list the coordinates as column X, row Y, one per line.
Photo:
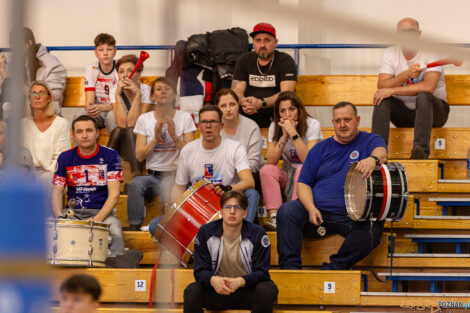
column 41, row 94
column 207, row 123
column 235, row 207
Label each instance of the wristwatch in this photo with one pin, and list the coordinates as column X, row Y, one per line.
column 377, row 162
column 295, row 137
column 263, row 103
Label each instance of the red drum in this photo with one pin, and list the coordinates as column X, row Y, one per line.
column 383, row 196
column 178, row 227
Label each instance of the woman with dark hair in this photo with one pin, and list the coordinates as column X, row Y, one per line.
column 129, row 102
column 161, row 134
column 42, row 66
column 291, row 135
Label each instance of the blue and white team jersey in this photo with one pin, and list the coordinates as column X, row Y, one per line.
column 87, row 177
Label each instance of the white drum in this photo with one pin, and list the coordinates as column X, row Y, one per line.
column 77, row 243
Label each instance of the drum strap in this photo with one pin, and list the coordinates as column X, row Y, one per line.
column 152, row 280
column 152, row 283
column 392, row 251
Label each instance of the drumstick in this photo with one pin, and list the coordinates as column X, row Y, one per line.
column 440, row 62
column 143, row 56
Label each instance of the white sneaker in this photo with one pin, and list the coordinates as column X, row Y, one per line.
column 271, row 225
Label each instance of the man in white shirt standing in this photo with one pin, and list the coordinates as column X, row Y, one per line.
column 409, row 95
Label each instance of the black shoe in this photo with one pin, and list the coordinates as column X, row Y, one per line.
column 132, row 228
column 127, row 259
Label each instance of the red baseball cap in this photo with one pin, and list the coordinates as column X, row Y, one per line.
column 263, row 28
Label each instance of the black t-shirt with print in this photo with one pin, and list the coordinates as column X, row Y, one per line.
column 262, row 86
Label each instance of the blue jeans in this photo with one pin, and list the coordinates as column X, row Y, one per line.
column 146, row 187
column 253, row 199
column 293, row 223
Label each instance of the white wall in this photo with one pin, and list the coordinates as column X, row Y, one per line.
column 150, row 22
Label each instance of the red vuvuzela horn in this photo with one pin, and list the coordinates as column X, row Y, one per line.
column 143, row 56
column 441, row 62
column 445, row 61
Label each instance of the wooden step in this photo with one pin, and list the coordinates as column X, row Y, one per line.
column 413, row 301
column 303, row 287
column 431, row 260
column 422, row 175
column 453, row 185
column 442, row 222
column 314, row 252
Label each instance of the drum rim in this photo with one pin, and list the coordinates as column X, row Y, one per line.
column 384, row 211
column 187, row 254
column 404, row 189
column 347, row 191
column 62, row 222
column 167, row 216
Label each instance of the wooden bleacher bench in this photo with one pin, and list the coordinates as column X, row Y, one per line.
column 302, row 287
column 315, row 90
column 314, row 251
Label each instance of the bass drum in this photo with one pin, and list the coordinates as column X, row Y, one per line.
column 382, row 196
column 178, row 227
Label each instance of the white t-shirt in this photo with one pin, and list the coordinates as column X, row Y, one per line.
column 165, row 154
column 220, row 165
column 103, row 84
column 289, row 154
column 144, row 91
column 394, row 62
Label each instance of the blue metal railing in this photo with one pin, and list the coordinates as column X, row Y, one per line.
column 295, row 47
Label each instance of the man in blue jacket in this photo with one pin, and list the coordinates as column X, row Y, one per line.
column 231, row 263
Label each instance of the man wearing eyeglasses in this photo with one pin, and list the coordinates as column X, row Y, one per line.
column 222, row 161
column 231, row 263
column 409, row 95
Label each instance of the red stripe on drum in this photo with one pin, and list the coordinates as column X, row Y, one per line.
column 386, row 184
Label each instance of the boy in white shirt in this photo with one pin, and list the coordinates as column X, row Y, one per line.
column 101, row 81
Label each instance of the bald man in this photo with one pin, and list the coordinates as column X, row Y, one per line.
column 409, row 95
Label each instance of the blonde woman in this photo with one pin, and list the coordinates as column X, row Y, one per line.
column 45, row 134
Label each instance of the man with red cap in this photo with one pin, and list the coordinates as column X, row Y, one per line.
column 260, row 75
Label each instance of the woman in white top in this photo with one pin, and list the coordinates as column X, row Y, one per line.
column 242, row 129
column 161, row 134
column 129, row 102
column 292, row 134
column 45, row 135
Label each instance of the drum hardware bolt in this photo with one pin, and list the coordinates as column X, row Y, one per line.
column 189, row 220
column 90, row 237
column 353, row 299
column 90, row 250
column 321, row 288
column 54, row 248
column 454, row 136
column 365, row 301
column 321, row 298
column 55, row 234
column 137, row 297
column 455, row 153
